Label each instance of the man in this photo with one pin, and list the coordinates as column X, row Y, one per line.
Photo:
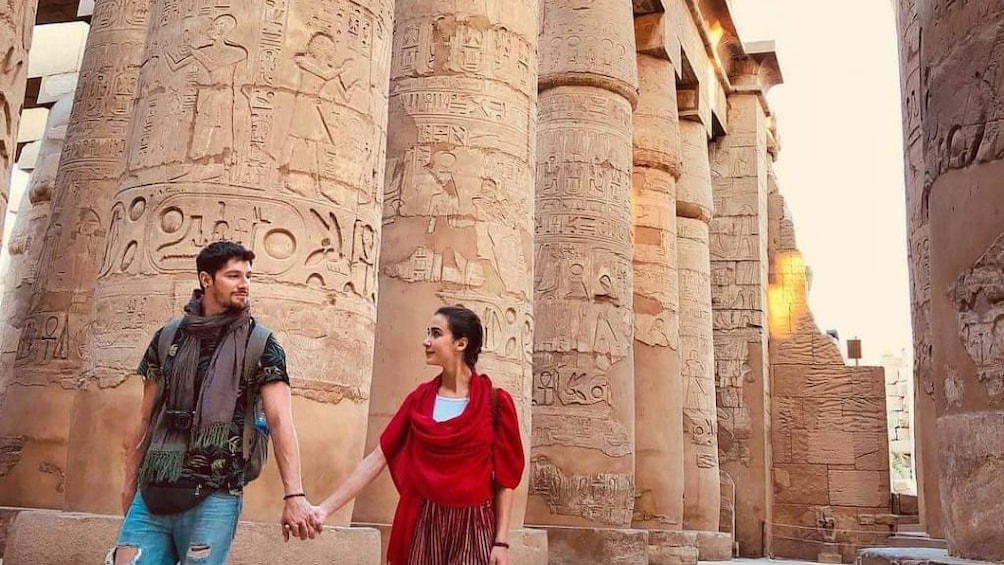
column 187, row 458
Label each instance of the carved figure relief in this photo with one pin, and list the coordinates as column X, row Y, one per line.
column 607, row 498
column 979, row 298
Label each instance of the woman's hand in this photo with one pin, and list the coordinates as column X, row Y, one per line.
column 319, row 515
column 499, row 556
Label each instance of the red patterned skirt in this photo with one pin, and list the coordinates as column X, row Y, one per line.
column 449, row 535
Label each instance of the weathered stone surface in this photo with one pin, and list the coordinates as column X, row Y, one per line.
column 283, row 121
column 829, row 436
column 714, row 546
column 26, row 242
column 50, row 352
column 78, row 539
column 585, row 546
column 963, row 206
column 583, row 285
column 672, row 547
column 739, row 272
column 16, row 28
column 700, row 421
column 458, row 203
column 694, row 196
column 658, row 388
column 910, row 556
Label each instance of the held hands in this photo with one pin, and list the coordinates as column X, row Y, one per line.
column 298, row 519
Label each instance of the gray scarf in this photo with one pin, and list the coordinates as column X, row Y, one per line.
column 212, row 404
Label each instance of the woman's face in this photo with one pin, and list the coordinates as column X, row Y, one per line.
column 441, row 348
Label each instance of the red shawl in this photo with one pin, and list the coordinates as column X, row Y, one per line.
column 449, row 463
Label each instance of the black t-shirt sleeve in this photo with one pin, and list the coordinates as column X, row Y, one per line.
column 273, row 364
column 150, row 366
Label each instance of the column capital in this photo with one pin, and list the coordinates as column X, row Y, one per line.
column 653, row 36
column 756, row 68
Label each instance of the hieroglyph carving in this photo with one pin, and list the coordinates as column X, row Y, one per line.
column 326, row 247
column 979, row 297
column 268, row 104
column 92, row 160
column 17, row 19
column 959, row 61
column 607, row 498
column 583, row 275
column 280, row 111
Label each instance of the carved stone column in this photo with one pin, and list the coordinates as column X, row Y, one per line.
column 918, row 236
column 962, row 98
column 658, row 385
column 16, row 27
column 702, row 489
column 261, row 122
column 47, row 365
column 458, row 204
column 739, row 269
column 25, row 243
column 582, row 463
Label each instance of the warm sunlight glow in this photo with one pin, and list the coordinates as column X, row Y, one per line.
column 787, row 295
column 716, row 32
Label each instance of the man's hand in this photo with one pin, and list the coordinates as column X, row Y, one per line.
column 499, row 556
column 298, row 519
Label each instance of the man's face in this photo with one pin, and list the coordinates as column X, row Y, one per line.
column 230, row 287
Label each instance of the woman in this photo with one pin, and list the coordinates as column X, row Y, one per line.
column 455, row 455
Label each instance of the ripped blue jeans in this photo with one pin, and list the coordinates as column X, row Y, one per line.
column 200, row 536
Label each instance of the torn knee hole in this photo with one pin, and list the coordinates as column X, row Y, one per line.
column 123, row 555
column 199, row 551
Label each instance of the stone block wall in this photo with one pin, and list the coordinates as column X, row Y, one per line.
column 829, row 435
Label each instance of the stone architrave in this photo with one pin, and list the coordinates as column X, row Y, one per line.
column 458, row 204
column 582, row 461
column 17, row 21
column 962, row 93
column 918, row 241
column 46, row 366
column 658, row 385
column 739, row 278
column 694, row 207
column 261, row 122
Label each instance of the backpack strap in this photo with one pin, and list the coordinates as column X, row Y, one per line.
column 252, row 361
column 164, row 343
column 166, row 339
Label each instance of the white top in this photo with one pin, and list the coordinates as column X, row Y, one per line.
column 448, row 408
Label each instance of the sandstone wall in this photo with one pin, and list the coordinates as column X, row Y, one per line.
column 829, row 436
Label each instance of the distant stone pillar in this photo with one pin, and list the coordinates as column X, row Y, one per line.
column 47, row 365
column 963, row 108
column 739, row 274
column 658, row 384
column 582, row 462
column 925, row 451
column 458, row 204
column 261, row 122
column 25, row 243
column 702, row 488
column 16, row 28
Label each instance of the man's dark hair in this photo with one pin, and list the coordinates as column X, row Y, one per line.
column 216, row 255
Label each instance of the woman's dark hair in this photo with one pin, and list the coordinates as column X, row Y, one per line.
column 465, row 323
